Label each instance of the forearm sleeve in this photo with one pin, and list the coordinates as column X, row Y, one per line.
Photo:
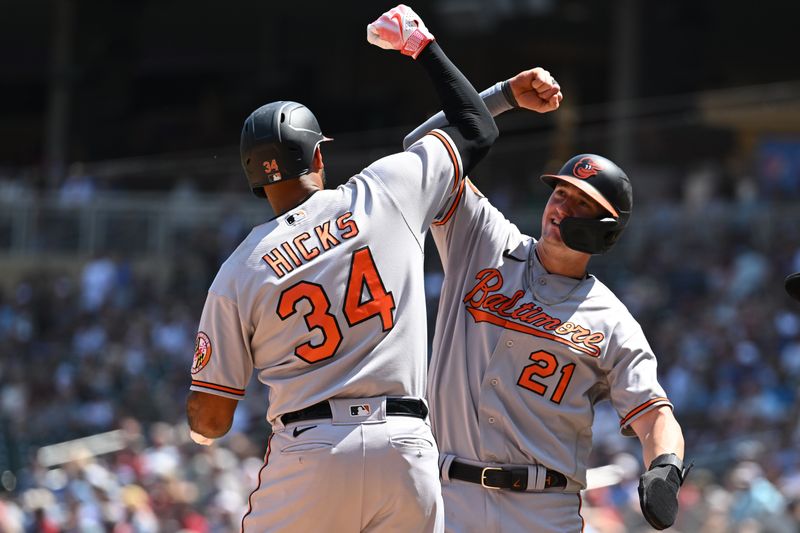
column 469, row 122
column 498, row 99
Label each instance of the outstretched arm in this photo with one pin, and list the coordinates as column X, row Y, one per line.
column 469, row 122
column 662, row 448
column 533, row 89
column 659, row 433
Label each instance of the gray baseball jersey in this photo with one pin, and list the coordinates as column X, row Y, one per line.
column 327, row 302
column 521, row 356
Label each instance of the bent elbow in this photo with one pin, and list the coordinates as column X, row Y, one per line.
column 491, row 134
column 485, row 134
column 210, row 415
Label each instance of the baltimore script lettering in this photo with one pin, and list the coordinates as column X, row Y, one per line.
column 486, row 304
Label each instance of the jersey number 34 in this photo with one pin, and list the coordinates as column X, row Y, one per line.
column 363, row 274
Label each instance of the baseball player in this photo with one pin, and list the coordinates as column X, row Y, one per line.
column 326, row 302
column 792, row 284
column 527, row 341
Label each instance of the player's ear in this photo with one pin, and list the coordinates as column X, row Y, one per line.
column 317, row 163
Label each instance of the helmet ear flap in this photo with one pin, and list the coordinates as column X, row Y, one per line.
column 589, row 235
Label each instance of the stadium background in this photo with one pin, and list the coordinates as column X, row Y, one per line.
column 121, row 193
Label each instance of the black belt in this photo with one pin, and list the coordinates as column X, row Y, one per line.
column 394, row 406
column 506, row 477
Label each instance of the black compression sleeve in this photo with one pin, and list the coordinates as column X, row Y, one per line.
column 471, row 126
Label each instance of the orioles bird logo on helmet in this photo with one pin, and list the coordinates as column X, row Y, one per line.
column 586, row 168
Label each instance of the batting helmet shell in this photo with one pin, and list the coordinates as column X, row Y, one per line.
column 278, row 143
column 603, row 181
column 792, row 284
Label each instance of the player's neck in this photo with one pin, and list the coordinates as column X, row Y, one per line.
column 562, row 261
column 288, row 194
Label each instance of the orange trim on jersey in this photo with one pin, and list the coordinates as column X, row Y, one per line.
column 474, row 188
column 637, row 410
column 453, row 157
column 258, row 486
column 452, row 207
column 484, row 316
column 214, row 386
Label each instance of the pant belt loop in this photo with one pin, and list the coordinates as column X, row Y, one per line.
column 445, row 460
column 537, row 475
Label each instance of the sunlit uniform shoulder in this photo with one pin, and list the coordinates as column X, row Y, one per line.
column 327, row 300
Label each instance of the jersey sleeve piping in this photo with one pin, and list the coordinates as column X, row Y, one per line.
column 646, row 406
column 204, row 386
column 453, row 207
column 451, row 150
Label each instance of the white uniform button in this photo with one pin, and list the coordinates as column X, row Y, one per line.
column 542, row 281
column 509, row 343
column 494, row 382
column 491, row 420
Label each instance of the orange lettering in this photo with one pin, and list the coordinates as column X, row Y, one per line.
column 566, row 327
column 594, row 339
column 270, row 166
column 276, row 260
column 348, row 227
column 485, row 277
column 291, row 254
column 503, row 309
column 494, row 302
column 521, row 310
column 324, row 234
column 308, row 255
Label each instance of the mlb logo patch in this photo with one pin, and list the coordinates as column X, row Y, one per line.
column 359, row 410
column 296, row 217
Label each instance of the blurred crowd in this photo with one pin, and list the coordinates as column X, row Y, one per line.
column 159, row 481
column 110, row 348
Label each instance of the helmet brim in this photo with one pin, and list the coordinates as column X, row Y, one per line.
column 583, row 185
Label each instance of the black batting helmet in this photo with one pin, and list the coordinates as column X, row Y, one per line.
column 278, row 143
column 607, row 184
column 792, row 284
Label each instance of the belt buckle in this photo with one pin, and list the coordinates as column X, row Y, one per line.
column 483, row 477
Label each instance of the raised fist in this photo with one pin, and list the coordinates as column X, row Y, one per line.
column 400, row 29
column 537, row 90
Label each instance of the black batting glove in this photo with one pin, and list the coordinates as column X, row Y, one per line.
column 658, row 490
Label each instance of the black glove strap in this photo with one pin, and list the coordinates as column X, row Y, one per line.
column 508, row 93
column 670, row 459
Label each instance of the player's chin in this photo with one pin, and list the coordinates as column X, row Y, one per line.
column 552, row 234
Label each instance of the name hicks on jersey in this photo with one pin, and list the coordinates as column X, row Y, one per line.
column 486, row 303
column 297, row 251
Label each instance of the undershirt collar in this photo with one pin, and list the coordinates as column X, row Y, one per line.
column 548, row 288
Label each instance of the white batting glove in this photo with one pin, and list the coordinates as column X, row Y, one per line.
column 400, row 29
